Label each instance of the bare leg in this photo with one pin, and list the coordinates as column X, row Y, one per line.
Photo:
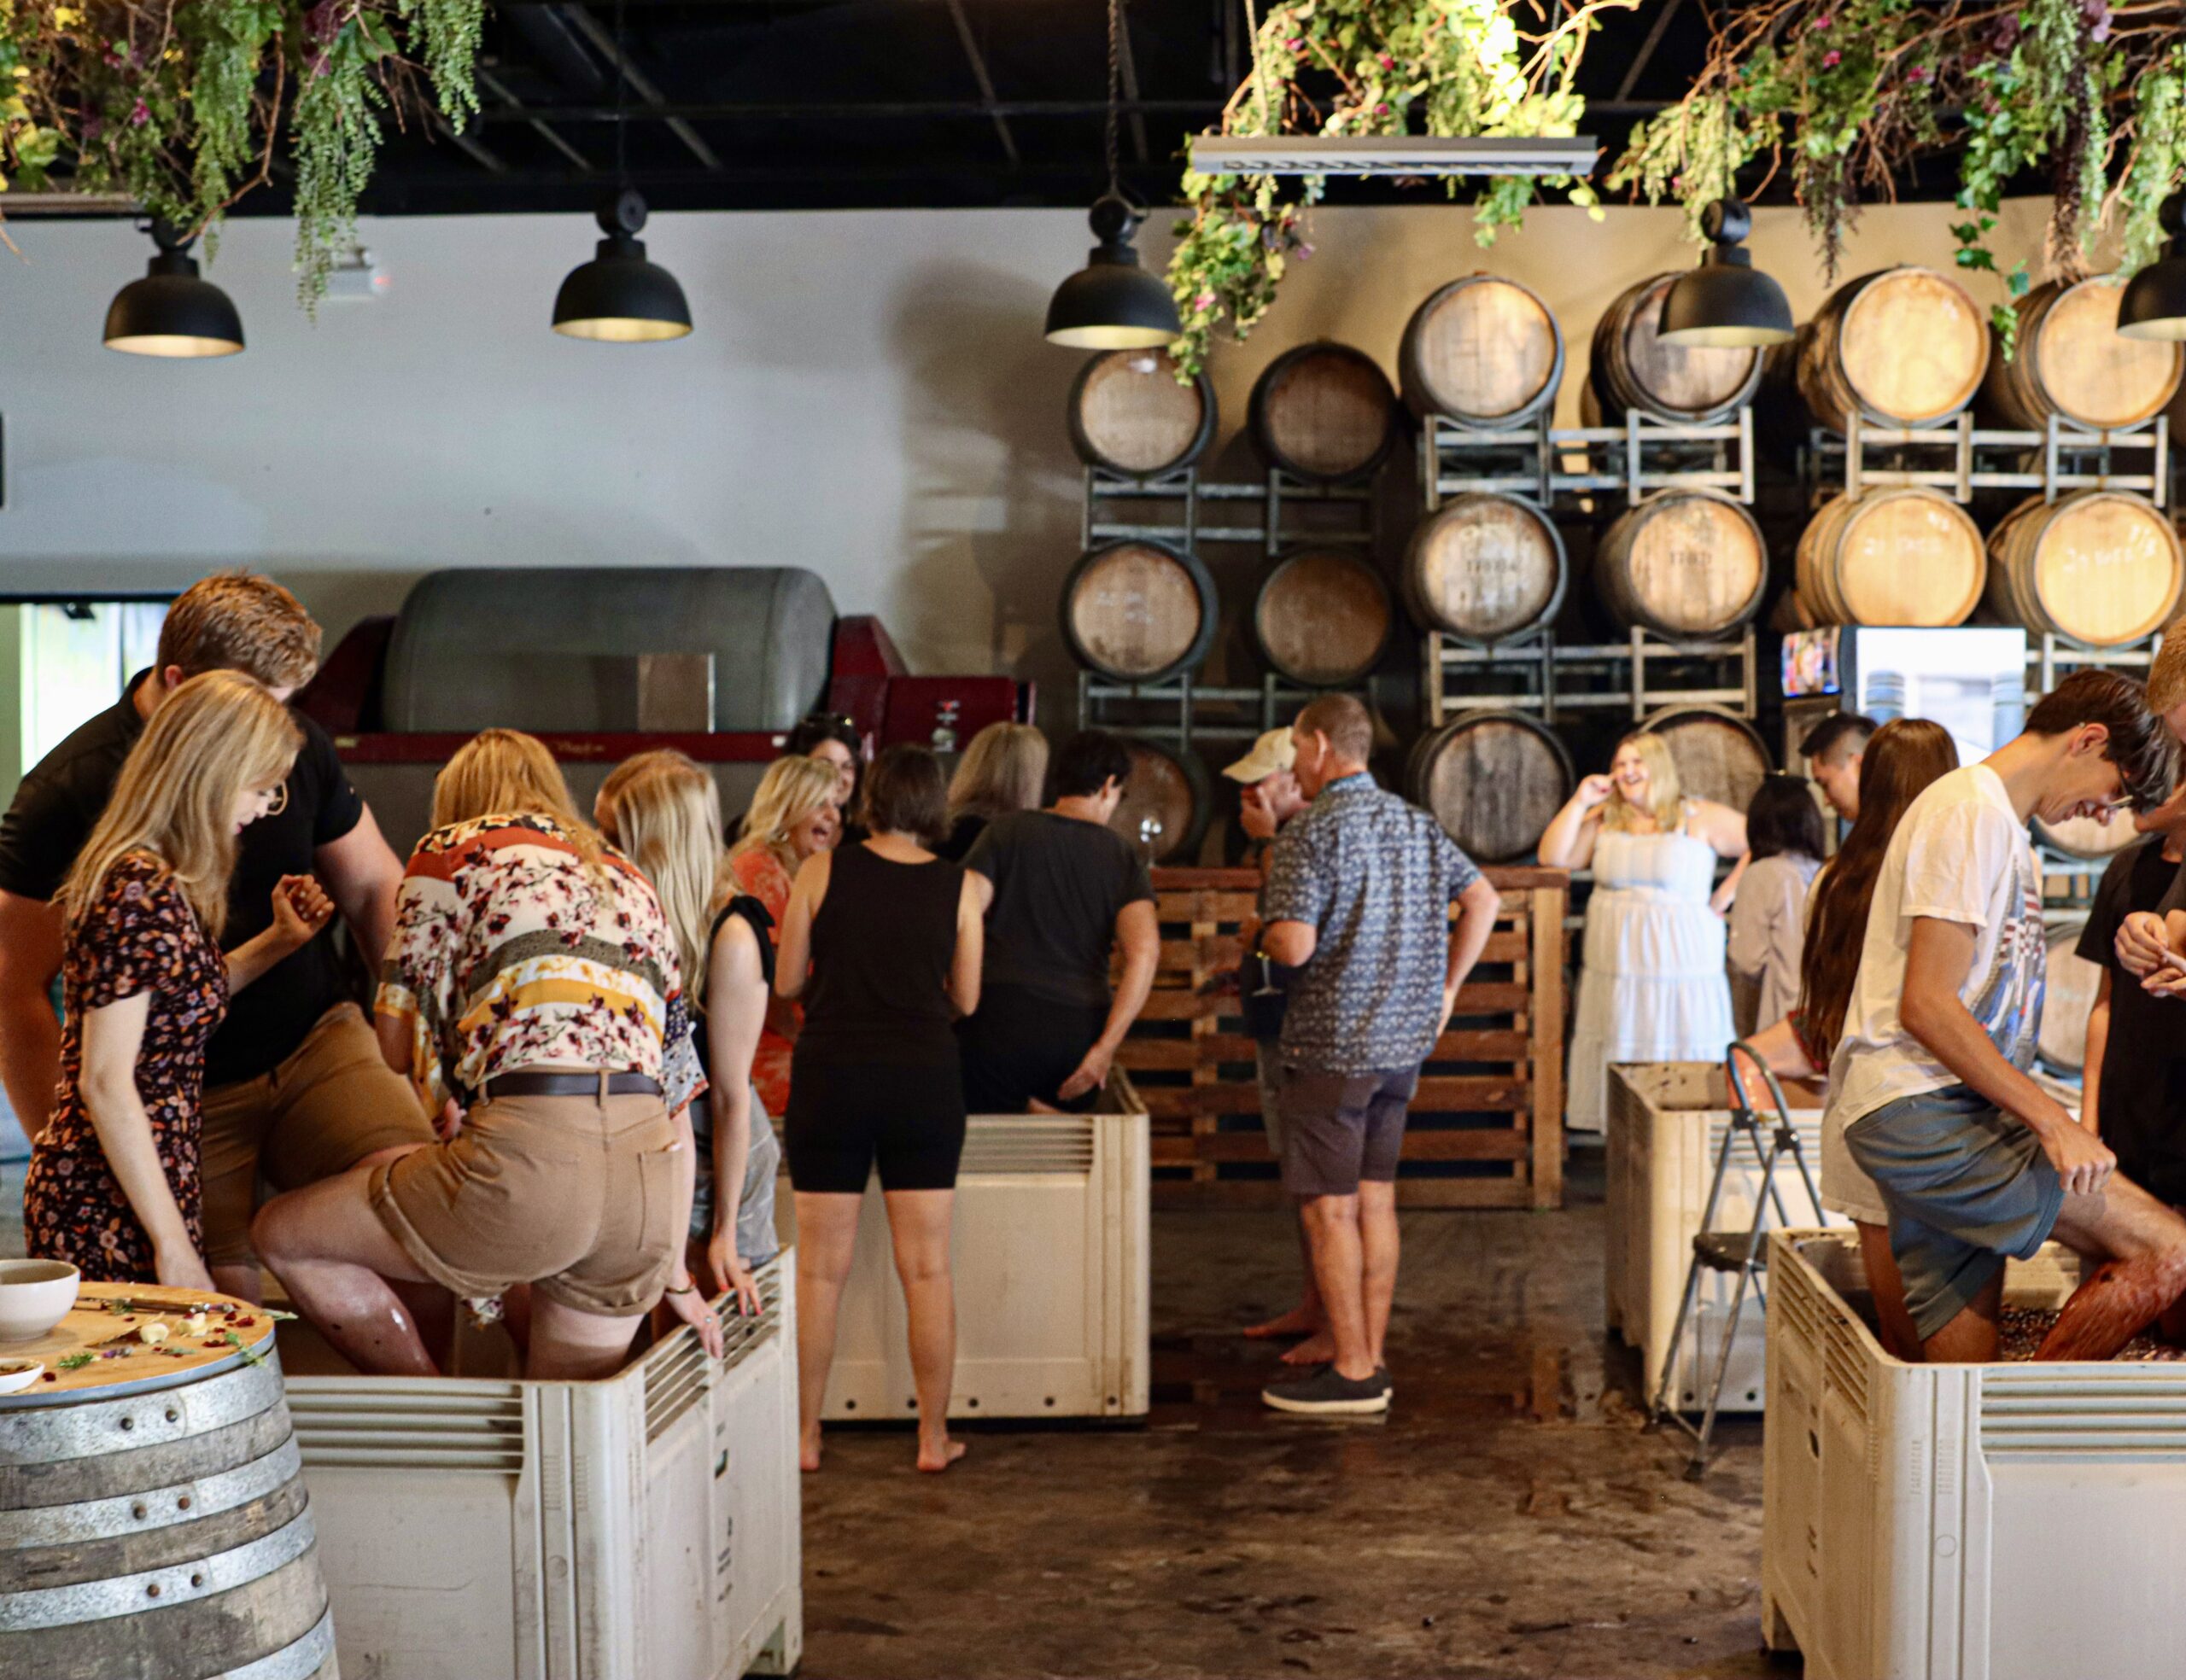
column 1332, row 1228
column 570, row 1345
column 432, row 1309
column 826, row 1241
column 1899, row 1338
column 1378, row 1243
column 2143, row 1244
column 1970, row 1339
column 241, row 1281
column 1311, row 1319
column 918, row 1223
column 335, row 1258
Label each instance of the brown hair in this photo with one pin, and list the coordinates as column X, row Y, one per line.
column 2167, row 675
column 505, row 773
column 1902, row 759
column 1347, row 725
column 1001, row 771
column 906, row 794
column 2140, row 746
column 663, row 812
column 240, row 621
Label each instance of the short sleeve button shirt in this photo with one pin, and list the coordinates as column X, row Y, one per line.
column 1374, row 877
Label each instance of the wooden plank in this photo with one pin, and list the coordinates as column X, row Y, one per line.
column 1471, row 1093
column 1548, row 1023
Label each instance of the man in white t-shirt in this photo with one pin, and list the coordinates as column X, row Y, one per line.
column 1975, row 1161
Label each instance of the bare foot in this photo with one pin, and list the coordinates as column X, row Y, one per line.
column 1295, row 1322
column 936, row 1457
column 1316, row 1348
column 808, row 1448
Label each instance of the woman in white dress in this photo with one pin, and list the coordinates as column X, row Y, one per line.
column 1653, row 987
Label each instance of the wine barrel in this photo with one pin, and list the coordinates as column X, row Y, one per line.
column 1138, row 611
column 1683, row 562
column 1166, row 802
column 1484, row 568
column 2100, row 566
column 1633, row 371
column 2088, row 837
column 2071, row 362
column 159, row 1536
column 1483, row 351
column 1322, row 616
column 1493, row 779
column 1719, row 756
column 1902, row 347
column 2067, row 999
column 1129, row 414
column 1324, row 411
column 1906, row 557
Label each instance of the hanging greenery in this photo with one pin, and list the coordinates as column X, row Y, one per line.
column 1343, row 67
column 183, row 104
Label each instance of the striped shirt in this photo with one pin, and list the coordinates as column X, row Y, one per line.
column 507, row 954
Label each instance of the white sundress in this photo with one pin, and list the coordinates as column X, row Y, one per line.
column 1653, row 987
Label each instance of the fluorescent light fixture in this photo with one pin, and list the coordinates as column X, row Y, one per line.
column 1393, row 154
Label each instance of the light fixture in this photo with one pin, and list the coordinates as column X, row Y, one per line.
column 1394, row 155
column 171, row 311
column 1112, row 303
column 620, row 297
column 1725, row 303
column 2154, row 302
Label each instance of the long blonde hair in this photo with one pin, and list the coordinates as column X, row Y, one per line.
column 213, row 739
column 1003, row 771
column 792, row 789
column 506, row 772
column 664, row 813
column 1665, row 793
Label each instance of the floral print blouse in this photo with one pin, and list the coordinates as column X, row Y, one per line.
column 508, row 952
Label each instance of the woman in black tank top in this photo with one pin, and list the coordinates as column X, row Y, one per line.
column 881, row 940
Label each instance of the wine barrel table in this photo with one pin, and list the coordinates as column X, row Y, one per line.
column 2102, row 568
column 1322, row 616
column 1138, row 611
column 1129, row 414
column 1683, row 564
column 1483, row 567
column 1493, row 779
column 2068, row 997
column 1719, row 755
column 1484, row 351
column 1904, row 556
column 1167, row 803
column 1634, row 371
column 1324, row 412
column 154, row 1523
column 1903, row 347
column 2071, row 362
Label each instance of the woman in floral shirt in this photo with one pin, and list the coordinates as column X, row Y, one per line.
column 531, row 994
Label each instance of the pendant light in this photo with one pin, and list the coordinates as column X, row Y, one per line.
column 171, row 311
column 620, row 297
column 1725, row 303
column 2155, row 303
column 1112, row 303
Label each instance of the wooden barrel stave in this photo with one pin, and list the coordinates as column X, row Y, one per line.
column 1905, row 556
column 1483, row 351
column 2068, row 997
column 1483, row 567
column 1901, row 347
column 1493, row 779
column 1632, row 370
column 1138, row 611
column 1719, row 756
column 1683, row 562
column 2072, row 362
column 1170, row 788
column 2103, row 567
column 1324, row 412
column 1322, row 616
column 1128, row 414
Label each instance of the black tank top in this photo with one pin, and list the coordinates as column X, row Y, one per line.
column 881, row 948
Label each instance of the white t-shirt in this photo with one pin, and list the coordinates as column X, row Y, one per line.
column 1961, row 855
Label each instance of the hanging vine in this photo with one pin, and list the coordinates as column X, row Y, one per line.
column 183, row 105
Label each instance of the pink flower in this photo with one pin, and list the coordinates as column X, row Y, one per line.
column 1918, row 73
column 1829, row 60
column 1824, row 21
column 1388, row 63
column 1381, row 110
column 1204, row 300
column 140, row 114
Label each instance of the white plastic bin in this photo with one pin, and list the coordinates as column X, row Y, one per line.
column 1050, row 1259
column 646, row 1527
column 1963, row 1522
column 1666, row 1122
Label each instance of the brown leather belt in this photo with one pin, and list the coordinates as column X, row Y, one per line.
column 570, row 1085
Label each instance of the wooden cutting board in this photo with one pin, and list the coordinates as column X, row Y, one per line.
column 107, row 1323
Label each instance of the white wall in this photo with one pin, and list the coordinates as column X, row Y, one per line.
column 867, row 394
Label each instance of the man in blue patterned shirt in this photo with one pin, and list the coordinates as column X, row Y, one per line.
column 1358, row 898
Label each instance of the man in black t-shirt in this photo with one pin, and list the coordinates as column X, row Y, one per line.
column 295, row 1073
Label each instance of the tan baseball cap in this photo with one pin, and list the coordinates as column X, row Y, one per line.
column 1273, row 751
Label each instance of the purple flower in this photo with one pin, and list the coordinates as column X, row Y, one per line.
column 1830, row 58
column 1383, row 109
column 139, row 114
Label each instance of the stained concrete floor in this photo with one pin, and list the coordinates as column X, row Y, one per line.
column 1511, row 1518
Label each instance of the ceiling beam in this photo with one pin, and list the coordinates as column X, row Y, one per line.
column 977, row 59
column 889, row 110
column 500, row 89
column 611, row 50
column 1663, row 16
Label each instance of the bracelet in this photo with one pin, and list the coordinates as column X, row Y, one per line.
column 687, row 1289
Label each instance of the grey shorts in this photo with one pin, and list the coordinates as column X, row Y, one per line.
column 754, row 1210
column 1267, row 1056
column 1340, row 1128
column 1966, row 1187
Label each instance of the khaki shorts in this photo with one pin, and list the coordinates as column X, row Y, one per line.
column 332, row 1103
column 574, row 1195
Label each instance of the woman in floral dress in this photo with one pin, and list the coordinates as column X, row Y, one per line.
column 793, row 814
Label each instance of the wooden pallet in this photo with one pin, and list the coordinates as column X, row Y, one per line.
column 1487, row 1128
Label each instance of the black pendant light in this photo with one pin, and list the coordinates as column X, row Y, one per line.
column 171, row 311
column 1725, row 303
column 1112, row 303
column 2155, row 303
column 620, row 297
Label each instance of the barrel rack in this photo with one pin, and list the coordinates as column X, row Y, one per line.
column 1961, row 457
column 1638, row 456
column 1178, row 710
column 1639, row 675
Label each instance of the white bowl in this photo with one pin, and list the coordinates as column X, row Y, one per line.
column 35, row 1295
column 17, row 1375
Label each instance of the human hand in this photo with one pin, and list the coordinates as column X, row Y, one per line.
column 727, row 1274
column 2168, row 978
column 1253, row 815
column 1092, row 1073
column 1449, row 1008
column 686, row 1302
column 450, row 1121
column 300, row 909
column 1594, row 791
column 2082, row 1160
column 2142, row 945
column 181, row 1267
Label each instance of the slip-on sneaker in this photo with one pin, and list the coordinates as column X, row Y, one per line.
column 1327, row 1393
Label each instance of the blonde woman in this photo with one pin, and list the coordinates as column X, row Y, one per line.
column 532, row 995
column 1653, row 987
column 1004, row 769
column 794, row 815
column 114, row 1186
column 665, row 812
